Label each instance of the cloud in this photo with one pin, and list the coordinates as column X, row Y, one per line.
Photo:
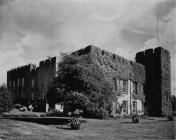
column 10, row 58
column 152, row 43
column 163, row 8
column 4, row 2
column 32, row 30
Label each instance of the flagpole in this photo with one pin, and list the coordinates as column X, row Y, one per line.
column 157, row 31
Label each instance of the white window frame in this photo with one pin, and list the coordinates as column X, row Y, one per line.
column 125, row 88
column 125, row 107
column 135, row 87
column 134, row 106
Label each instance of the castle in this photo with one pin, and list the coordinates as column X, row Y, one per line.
column 29, row 84
column 145, row 85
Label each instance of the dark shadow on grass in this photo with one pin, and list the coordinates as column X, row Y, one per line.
column 44, row 120
column 109, row 125
column 126, row 122
column 41, row 120
column 163, row 121
column 64, row 128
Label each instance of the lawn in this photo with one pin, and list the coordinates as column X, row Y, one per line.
column 150, row 128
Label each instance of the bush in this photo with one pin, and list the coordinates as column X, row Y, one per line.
column 18, row 106
column 135, row 118
column 170, row 118
column 54, row 112
column 5, row 99
column 75, row 124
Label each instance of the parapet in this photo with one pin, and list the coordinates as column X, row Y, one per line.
column 29, row 66
column 83, row 51
column 47, row 61
column 162, row 51
column 99, row 52
column 141, row 57
column 149, row 52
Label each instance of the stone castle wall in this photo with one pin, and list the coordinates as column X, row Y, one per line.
column 116, row 67
column 151, row 73
column 158, row 80
column 46, row 74
column 19, row 82
column 29, row 83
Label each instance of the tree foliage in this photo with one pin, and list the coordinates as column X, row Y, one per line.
column 5, row 99
column 81, row 84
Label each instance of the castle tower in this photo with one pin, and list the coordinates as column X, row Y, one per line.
column 158, row 80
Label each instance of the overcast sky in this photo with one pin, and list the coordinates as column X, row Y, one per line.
column 31, row 30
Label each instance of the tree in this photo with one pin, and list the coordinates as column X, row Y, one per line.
column 5, row 99
column 82, row 84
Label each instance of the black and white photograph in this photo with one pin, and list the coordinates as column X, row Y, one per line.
column 87, row 69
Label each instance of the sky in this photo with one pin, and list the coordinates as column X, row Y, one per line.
column 32, row 30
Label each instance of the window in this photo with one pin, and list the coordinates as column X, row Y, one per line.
column 143, row 107
column 18, row 83
column 114, row 56
column 118, row 84
column 14, row 84
column 135, row 87
column 134, row 106
column 125, row 86
column 115, row 84
column 22, row 81
column 32, row 82
column 125, row 107
column 102, row 52
column 167, row 97
column 32, row 95
column 119, row 59
column 9, row 84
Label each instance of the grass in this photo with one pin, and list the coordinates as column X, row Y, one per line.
column 93, row 129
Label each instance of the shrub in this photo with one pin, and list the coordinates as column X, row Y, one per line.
column 135, row 118
column 170, row 118
column 75, row 124
column 5, row 99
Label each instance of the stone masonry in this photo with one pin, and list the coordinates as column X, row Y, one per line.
column 118, row 71
column 150, row 73
column 158, row 80
column 19, row 83
column 29, row 84
column 116, row 67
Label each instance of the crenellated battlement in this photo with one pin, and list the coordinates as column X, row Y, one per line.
column 158, row 80
column 120, row 67
column 151, row 72
column 152, row 54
